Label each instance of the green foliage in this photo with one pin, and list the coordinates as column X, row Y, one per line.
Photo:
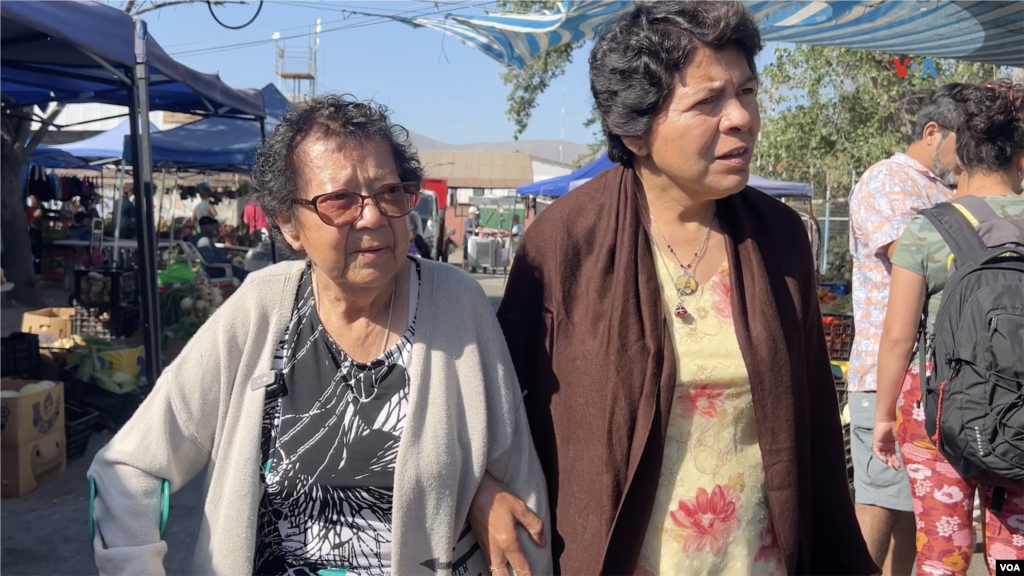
column 529, row 83
column 830, row 113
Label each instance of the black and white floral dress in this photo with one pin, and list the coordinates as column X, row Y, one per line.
column 329, row 447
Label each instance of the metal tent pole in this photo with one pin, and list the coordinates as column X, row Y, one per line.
column 143, row 167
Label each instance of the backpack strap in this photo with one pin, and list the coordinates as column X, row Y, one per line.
column 957, row 231
column 978, row 209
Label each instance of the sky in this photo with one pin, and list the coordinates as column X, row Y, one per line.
column 434, row 84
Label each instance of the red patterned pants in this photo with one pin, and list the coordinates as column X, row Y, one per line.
column 944, row 501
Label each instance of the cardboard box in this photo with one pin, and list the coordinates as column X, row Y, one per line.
column 51, row 324
column 28, row 418
column 29, row 466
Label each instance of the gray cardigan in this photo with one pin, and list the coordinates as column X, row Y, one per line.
column 465, row 417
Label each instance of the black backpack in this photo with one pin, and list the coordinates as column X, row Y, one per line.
column 974, row 399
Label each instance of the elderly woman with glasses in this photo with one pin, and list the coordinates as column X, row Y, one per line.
column 343, row 406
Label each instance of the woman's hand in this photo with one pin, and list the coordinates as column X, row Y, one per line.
column 884, row 443
column 493, row 516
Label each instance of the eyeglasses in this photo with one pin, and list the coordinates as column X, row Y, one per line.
column 339, row 209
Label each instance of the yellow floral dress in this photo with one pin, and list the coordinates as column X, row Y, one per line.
column 710, row 512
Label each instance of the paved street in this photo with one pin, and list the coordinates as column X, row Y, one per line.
column 47, row 530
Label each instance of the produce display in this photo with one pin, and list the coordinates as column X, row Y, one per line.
column 89, row 369
column 95, row 287
column 184, row 308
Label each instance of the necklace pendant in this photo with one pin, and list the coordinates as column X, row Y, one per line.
column 681, row 311
column 686, row 284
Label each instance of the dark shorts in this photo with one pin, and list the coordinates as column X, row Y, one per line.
column 875, row 483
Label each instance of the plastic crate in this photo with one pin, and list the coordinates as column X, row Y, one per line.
column 78, row 422
column 109, row 322
column 116, row 287
column 20, row 356
column 113, row 409
column 838, row 335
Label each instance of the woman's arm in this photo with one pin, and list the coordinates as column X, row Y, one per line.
column 896, row 347
column 170, row 437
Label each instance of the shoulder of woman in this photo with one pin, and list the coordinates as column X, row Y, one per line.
column 449, row 284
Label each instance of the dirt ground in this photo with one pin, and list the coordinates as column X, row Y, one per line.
column 46, row 532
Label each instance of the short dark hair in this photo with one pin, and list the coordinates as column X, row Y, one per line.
column 941, row 109
column 991, row 135
column 635, row 63
column 339, row 118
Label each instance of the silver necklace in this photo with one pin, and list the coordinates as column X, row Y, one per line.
column 384, row 345
column 685, row 283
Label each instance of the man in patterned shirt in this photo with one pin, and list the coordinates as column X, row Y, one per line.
column 887, row 196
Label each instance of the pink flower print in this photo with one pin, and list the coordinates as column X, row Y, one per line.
column 707, row 520
column 918, row 506
column 918, row 472
column 1018, row 540
column 948, row 525
column 922, row 487
column 949, row 495
column 918, row 412
column 721, row 288
column 704, row 400
column 1001, row 551
column 769, row 544
column 963, row 538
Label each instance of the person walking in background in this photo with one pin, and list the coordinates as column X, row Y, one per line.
column 469, row 226
column 990, row 147
column 205, row 207
column 254, row 218
column 882, row 203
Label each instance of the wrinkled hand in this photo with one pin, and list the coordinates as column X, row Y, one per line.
column 493, row 516
column 884, row 443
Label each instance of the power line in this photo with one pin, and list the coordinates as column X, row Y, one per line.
column 264, row 33
column 369, row 20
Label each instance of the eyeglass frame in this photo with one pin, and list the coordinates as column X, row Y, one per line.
column 362, row 201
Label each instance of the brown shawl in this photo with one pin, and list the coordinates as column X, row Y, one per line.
column 583, row 318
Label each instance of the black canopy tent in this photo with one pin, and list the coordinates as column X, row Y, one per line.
column 83, row 51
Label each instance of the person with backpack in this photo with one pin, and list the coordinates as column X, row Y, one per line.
column 959, row 426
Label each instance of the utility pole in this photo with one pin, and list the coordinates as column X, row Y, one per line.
column 561, row 134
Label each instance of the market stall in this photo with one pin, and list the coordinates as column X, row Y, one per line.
column 90, row 52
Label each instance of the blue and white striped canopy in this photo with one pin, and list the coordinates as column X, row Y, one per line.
column 990, row 31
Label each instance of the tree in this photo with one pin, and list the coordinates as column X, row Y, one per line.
column 829, row 113
column 19, row 141
column 530, row 82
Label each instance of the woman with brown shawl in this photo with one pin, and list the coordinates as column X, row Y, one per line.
column 664, row 325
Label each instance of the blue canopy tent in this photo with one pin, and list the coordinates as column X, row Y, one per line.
column 79, row 51
column 216, row 144
column 986, row 31
column 560, row 185
column 106, row 146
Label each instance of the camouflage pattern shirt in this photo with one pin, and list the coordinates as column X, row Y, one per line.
column 922, row 250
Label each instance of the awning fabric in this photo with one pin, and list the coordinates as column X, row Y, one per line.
column 72, row 49
column 104, row 146
column 214, row 144
column 987, row 31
